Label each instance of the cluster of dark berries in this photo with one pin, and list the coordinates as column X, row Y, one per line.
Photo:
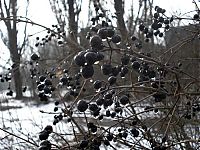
column 113, row 71
column 2, row 78
column 57, row 118
column 99, row 15
column 73, row 84
column 92, row 127
column 33, row 71
column 83, row 105
column 101, row 27
column 93, row 144
column 104, row 101
column 86, row 59
column 124, row 132
column 147, row 74
column 160, row 22
column 145, row 71
column 137, row 42
column 108, row 98
column 45, row 145
column 7, row 78
column 43, row 136
column 34, row 63
column 192, row 110
column 54, row 33
column 108, row 33
column 95, row 110
column 105, row 33
column 135, row 132
column 56, row 103
column 111, row 100
column 45, row 88
column 106, row 138
column 10, row 92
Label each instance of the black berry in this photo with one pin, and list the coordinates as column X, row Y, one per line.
column 82, row 105
column 87, row 71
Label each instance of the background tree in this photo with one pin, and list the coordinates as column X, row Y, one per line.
column 8, row 12
column 118, row 91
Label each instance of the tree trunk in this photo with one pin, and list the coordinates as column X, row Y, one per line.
column 12, row 45
column 15, row 57
column 18, row 83
column 119, row 8
column 73, row 27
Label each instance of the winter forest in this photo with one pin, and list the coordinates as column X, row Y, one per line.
column 99, row 75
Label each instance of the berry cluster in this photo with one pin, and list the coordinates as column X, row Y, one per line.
column 109, row 103
column 115, row 74
column 161, row 23
column 45, row 88
column 6, row 78
column 54, row 33
column 192, row 110
column 43, row 136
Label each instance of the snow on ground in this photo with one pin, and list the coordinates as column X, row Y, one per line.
column 27, row 121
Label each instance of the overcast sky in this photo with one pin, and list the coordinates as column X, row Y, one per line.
column 39, row 11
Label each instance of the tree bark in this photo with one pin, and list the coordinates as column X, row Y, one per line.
column 73, row 27
column 11, row 26
column 119, row 8
column 18, row 83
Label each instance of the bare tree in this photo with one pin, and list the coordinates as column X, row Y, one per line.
column 67, row 15
column 10, row 20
